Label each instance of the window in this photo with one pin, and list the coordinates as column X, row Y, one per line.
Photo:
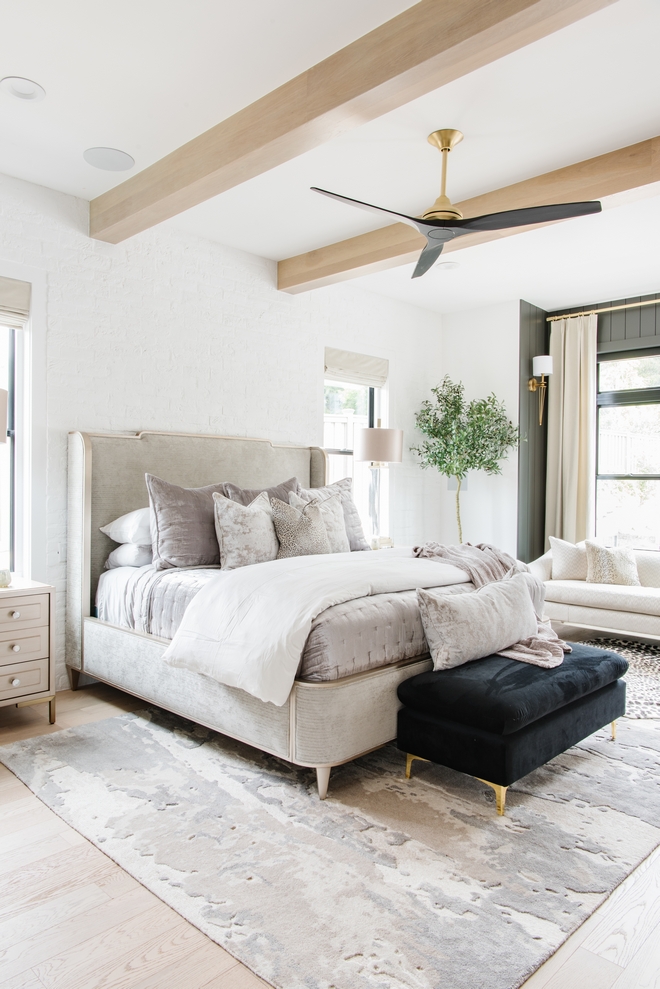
column 348, row 407
column 7, row 355
column 628, row 478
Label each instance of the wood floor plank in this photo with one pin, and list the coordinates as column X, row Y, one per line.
column 25, row 981
column 629, row 915
column 52, row 876
column 106, row 966
column 62, row 936
column 35, row 832
column 584, row 970
column 33, row 851
column 23, row 924
column 13, row 791
column 203, row 966
column 238, row 977
column 643, row 970
column 14, row 818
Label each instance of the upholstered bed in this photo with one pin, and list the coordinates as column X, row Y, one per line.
column 338, row 708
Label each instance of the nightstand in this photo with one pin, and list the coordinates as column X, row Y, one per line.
column 27, row 653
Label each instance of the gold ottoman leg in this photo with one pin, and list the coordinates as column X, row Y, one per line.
column 614, row 731
column 409, row 761
column 500, row 794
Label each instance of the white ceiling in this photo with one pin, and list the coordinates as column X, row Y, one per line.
column 146, row 77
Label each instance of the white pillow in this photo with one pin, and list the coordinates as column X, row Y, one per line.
column 569, row 560
column 332, row 514
column 135, row 527
column 344, row 489
column 611, row 566
column 129, row 555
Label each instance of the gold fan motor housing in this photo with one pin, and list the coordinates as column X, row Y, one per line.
column 442, row 209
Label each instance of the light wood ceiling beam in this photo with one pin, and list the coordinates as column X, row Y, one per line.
column 418, row 51
column 397, row 244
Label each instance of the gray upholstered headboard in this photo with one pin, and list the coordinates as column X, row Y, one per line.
column 106, row 480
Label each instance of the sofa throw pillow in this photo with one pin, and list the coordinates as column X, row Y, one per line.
column 245, row 496
column 129, row 555
column 611, row 566
column 460, row 628
column 134, row 527
column 344, row 489
column 332, row 514
column 569, row 560
column 183, row 527
column 245, row 533
column 300, row 533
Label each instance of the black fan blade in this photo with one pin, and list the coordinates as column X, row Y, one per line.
column 522, row 217
column 411, row 220
column 427, row 259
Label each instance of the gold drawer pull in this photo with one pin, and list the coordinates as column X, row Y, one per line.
column 16, row 648
column 15, row 682
column 15, row 614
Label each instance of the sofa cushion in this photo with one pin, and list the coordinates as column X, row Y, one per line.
column 612, row 597
column 648, row 567
column 502, row 695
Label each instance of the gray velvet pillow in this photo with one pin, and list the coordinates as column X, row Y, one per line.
column 332, row 514
column 182, row 524
column 344, row 489
column 469, row 626
column 300, row 533
column 245, row 533
column 245, row 496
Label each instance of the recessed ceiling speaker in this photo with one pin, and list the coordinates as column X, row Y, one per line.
column 22, row 89
column 109, row 159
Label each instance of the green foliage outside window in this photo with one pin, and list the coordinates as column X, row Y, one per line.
column 463, row 436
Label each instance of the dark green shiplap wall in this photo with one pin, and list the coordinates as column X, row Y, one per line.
column 534, row 337
column 626, row 329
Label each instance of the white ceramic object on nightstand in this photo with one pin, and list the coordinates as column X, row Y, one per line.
column 5, row 578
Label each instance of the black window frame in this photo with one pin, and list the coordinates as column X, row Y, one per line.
column 622, row 397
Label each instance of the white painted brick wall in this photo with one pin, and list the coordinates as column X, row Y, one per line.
column 168, row 331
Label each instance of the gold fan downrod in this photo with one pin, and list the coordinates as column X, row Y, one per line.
column 442, row 209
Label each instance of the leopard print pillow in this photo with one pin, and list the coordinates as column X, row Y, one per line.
column 300, row 532
column 611, row 566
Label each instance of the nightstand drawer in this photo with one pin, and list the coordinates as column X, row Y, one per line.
column 23, row 612
column 23, row 679
column 23, row 645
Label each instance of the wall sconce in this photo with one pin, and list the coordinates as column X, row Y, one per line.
column 541, row 366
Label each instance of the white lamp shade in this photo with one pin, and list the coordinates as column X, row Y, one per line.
column 383, row 446
column 541, row 365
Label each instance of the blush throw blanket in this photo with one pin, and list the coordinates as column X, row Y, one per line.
column 247, row 628
column 485, row 564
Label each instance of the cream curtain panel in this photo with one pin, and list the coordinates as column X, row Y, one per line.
column 571, row 466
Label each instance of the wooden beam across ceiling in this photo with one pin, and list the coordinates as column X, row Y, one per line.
column 398, row 244
column 423, row 48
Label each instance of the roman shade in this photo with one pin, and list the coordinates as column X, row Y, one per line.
column 14, row 302
column 358, row 369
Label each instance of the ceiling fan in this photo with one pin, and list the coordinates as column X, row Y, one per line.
column 442, row 222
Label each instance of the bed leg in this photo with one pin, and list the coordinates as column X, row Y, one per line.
column 75, row 677
column 322, row 780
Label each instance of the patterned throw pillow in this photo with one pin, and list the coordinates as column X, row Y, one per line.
column 301, row 533
column 333, row 518
column 611, row 566
column 569, row 561
column 344, row 489
column 245, row 533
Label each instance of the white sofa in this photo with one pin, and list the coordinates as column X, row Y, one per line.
column 605, row 607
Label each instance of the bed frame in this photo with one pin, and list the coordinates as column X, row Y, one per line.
column 322, row 724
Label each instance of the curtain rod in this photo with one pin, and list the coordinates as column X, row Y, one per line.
column 592, row 312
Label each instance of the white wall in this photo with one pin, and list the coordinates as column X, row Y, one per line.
column 168, row 331
column 480, row 347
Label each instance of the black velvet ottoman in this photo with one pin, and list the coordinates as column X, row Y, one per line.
column 498, row 719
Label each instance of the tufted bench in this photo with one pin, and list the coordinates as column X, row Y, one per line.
column 498, row 719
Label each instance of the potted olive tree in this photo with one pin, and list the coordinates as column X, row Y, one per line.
column 462, row 436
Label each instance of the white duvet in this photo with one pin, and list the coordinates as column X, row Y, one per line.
column 247, row 628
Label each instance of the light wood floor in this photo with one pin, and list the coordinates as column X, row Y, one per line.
column 72, row 919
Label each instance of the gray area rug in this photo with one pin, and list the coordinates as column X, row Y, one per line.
column 387, row 884
column 642, row 678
